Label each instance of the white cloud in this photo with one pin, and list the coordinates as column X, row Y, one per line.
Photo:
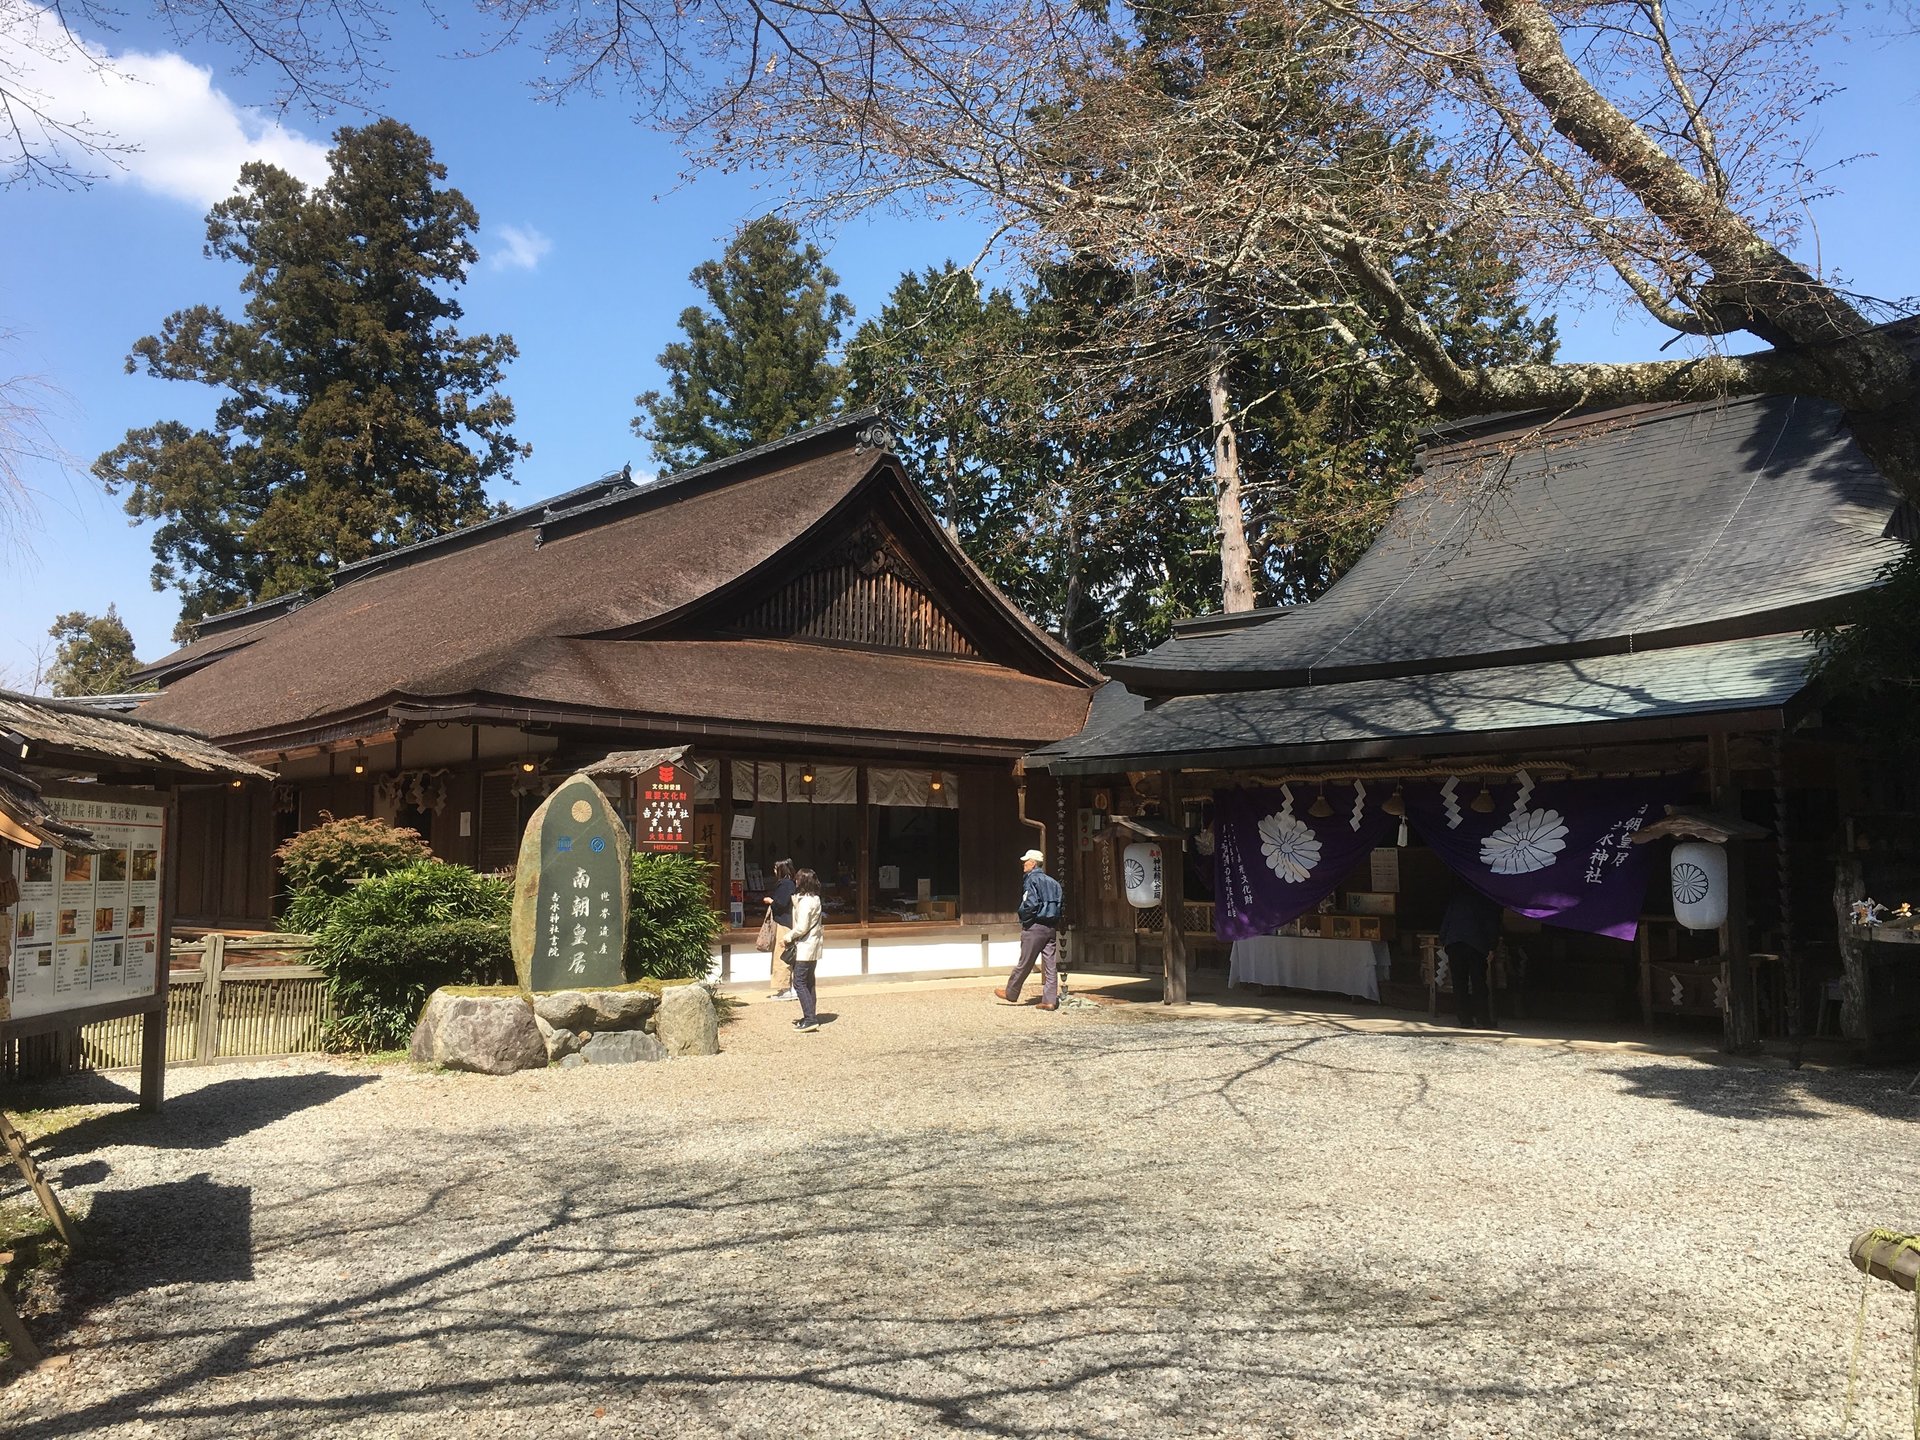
column 190, row 139
column 522, row 248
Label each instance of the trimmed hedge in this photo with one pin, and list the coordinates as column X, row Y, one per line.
column 385, row 977
column 671, row 923
column 394, row 939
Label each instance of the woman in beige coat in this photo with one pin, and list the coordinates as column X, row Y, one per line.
column 780, row 906
column 809, row 938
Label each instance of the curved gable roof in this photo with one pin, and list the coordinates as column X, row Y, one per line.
column 464, row 615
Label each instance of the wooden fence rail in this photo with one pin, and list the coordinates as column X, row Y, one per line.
column 227, row 996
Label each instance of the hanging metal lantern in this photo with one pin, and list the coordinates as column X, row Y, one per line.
column 1142, row 866
column 1698, row 871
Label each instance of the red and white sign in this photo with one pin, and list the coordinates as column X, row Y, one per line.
column 666, row 810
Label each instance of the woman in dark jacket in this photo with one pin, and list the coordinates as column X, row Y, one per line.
column 780, row 902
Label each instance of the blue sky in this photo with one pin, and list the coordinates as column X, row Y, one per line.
column 588, row 233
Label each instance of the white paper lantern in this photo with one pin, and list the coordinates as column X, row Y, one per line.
column 1141, row 863
column 1699, row 875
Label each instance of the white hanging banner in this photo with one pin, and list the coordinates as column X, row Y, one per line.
column 913, row 789
column 831, row 785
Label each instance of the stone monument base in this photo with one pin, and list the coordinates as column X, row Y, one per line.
column 498, row 1030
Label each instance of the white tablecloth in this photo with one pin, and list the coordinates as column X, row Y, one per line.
column 1303, row 962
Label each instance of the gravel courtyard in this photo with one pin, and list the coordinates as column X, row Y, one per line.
column 943, row 1216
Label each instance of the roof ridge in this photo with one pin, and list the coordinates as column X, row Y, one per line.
column 867, row 421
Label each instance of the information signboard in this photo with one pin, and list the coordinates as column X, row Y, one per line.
column 666, row 807
column 86, row 928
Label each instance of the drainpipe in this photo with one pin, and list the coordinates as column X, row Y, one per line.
column 1020, row 774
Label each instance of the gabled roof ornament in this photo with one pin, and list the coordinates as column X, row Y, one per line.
column 874, row 435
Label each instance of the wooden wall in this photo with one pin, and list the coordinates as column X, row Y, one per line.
column 222, row 857
column 991, row 839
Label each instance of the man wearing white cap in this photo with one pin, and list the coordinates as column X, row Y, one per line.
column 1039, row 934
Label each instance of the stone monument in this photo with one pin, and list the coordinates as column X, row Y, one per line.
column 570, row 893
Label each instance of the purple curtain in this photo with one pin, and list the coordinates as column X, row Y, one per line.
column 1273, row 861
column 1560, row 851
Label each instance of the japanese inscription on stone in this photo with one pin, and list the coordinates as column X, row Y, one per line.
column 570, row 893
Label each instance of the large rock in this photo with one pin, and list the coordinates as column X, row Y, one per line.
column 490, row 1034
column 686, row 1022
column 560, row 1043
column 621, row 1047
column 564, row 1009
column 620, row 1009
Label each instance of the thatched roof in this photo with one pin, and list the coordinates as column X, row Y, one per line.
column 628, row 603
column 70, row 737
column 26, row 820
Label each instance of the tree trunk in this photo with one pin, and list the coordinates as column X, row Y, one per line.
column 1075, row 593
column 1236, row 564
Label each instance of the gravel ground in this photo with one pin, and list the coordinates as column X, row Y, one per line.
column 942, row 1216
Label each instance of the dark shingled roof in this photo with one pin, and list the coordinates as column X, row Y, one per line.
column 547, row 605
column 1398, row 715
column 780, row 683
column 1609, row 533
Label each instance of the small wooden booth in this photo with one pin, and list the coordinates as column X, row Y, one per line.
column 89, row 852
column 1575, row 628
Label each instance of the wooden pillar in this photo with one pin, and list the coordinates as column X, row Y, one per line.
column 863, row 800
column 213, row 964
column 1173, row 899
column 1063, row 851
column 1741, row 1017
column 1783, row 861
column 1850, row 887
column 153, row 1027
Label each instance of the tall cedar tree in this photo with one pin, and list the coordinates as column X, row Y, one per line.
column 759, row 365
column 93, row 654
column 356, row 418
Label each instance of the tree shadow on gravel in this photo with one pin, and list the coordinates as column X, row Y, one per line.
column 1746, row 1092
column 981, row 1283
column 207, row 1117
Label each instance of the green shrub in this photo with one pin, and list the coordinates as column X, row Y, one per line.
column 393, row 939
column 422, row 893
column 671, row 925
column 322, row 864
column 379, row 989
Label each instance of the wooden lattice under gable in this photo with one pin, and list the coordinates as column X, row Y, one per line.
column 862, row 591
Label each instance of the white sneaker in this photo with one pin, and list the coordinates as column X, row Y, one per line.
column 786, row 994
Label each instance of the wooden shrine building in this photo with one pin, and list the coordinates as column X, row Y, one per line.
column 1597, row 609
column 789, row 631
